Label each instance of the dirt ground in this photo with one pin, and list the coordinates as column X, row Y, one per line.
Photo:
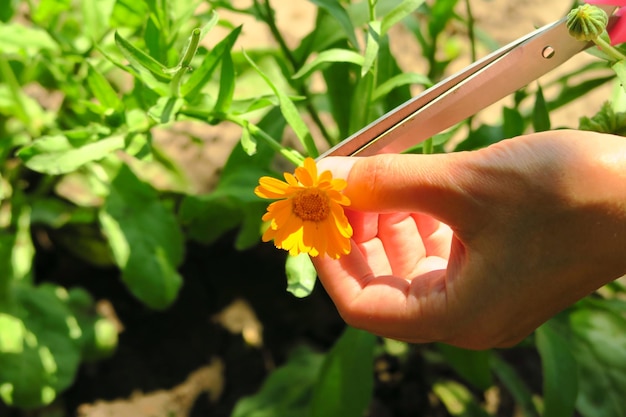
column 185, row 367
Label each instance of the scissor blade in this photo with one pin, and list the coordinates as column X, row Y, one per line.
column 463, row 94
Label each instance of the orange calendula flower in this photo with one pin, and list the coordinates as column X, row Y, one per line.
column 308, row 216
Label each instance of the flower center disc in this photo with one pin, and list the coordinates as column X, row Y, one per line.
column 311, row 205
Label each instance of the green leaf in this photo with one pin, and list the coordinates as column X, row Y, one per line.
column 102, row 89
column 458, row 400
column 327, row 57
column 541, row 114
column 248, row 142
column 515, row 385
column 141, row 61
column 301, row 275
column 398, row 13
column 335, row 9
column 290, row 113
column 202, row 75
column 227, row 85
column 560, row 373
column 620, row 69
column 96, row 15
column 24, row 40
column 599, row 345
column 407, row 78
column 473, row 365
column 371, row 46
column 280, row 396
column 57, row 155
column 40, row 348
column 166, row 109
column 345, row 384
column 145, row 239
column 442, row 11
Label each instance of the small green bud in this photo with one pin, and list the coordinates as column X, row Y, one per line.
column 586, row 22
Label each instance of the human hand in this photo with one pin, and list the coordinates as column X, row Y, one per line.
column 477, row 249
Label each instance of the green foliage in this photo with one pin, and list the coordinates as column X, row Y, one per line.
column 85, row 85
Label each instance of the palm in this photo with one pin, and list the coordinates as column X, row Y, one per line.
column 397, row 264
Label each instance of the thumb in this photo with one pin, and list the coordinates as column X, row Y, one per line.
column 428, row 184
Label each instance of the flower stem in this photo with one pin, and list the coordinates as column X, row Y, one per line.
column 608, row 49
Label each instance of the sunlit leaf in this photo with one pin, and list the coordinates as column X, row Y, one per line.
column 458, row 400
column 407, row 78
column 290, row 113
column 202, row 75
column 227, row 84
column 398, row 13
column 336, row 10
column 145, row 239
column 102, row 89
column 56, row 154
column 166, row 109
column 29, row 41
column 301, row 275
column 326, row 57
column 140, row 60
column 371, row 46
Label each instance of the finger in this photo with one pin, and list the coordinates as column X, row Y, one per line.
column 429, row 184
column 386, row 305
column 402, row 243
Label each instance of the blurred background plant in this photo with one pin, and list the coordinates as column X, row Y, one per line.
column 87, row 88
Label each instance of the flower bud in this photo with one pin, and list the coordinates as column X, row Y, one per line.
column 586, row 22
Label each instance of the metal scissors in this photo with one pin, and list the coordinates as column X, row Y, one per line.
column 463, row 94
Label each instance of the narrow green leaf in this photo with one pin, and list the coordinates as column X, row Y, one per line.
column 541, row 114
column 398, row 13
column 473, row 365
column 371, row 46
column 290, row 113
column 166, row 109
column 560, row 372
column 102, row 89
column 227, row 85
column 202, row 75
column 515, row 385
column 56, row 155
column 145, row 239
column 301, row 275
column 140, row 60
column 346, row 381
column 441, row 12
column 335, row 9
column 327, row 57
column 407, row 78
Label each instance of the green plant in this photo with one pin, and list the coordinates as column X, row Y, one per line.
column 84, row 86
